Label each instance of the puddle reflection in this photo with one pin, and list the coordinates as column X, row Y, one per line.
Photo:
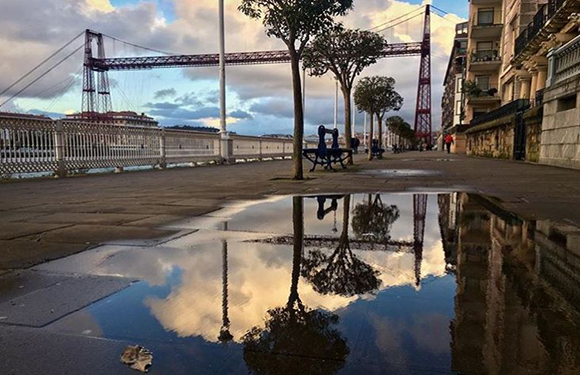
column 379, row 283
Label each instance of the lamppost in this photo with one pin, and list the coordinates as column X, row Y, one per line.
column 224, row 139
column 336, row 106
column 365, row 130
column 353, row 108
column 304, row 92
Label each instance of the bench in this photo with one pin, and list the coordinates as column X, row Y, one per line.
column 322, row 210
column 322, row 155
column 375, row 149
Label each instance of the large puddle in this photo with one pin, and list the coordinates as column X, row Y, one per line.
column 366, row 283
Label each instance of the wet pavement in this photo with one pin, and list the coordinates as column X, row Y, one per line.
column 392, row 283
column 401, row 172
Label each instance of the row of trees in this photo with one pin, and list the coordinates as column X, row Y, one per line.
column 308, row 29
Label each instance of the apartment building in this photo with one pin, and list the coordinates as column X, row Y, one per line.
column 522, row 81
column 483, row 57
column 517, row 80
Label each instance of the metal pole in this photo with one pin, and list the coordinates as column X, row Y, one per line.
column 222, row 73
column 365, row 130
column 336, row 106
column 304, row 92
column 353, row 119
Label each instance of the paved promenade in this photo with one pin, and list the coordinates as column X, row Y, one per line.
column 51, row 218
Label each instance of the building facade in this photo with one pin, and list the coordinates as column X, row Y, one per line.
column 484, row 57
column 452, row 102
column 523, row 81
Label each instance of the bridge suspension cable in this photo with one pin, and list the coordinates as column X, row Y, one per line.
column 399, row 23
column 397, row 18
column 138, row 46
column 42, row 75
column 41, row 63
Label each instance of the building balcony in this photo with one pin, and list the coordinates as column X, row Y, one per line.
column 549, row 19
column 509, row 109
column 564, row 63
column 484, row 61
column 484, row 96
column 491, row 31
column 486, row 2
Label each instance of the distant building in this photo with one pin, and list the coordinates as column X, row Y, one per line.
column 23, row 116
column 205, row 129
column 283, row 136
column 452, row 102
column 127, row 118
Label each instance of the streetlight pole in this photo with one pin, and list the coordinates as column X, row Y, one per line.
column 353, row 119
column 222, row 74
column 304, row 92
column 336, row 106
column 365, row 130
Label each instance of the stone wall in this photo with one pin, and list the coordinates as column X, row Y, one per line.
column 495, row 139
column 561, row 128
column 533, row 136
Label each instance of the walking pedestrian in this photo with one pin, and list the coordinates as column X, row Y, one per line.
column 448, row 142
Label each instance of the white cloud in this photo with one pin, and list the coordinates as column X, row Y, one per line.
column 24, row 41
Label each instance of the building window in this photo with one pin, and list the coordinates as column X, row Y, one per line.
column 485, row 16
column 484, row 46
column 483, row 82
column 459, row 85
column 567, row 103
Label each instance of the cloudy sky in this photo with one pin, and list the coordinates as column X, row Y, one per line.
column 259, row 97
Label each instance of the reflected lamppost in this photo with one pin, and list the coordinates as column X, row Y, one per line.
column 225, row 336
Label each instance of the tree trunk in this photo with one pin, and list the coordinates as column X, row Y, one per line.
column 297, row 166
column 372, row 116
column 346, row 92
column 298, row 226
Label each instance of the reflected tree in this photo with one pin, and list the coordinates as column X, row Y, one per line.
column 296, row 339
column 373, row 220
column 341, row 272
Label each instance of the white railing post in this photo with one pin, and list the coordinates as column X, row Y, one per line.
column 163, row 152
column 59, row 149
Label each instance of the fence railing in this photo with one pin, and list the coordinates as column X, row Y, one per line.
column 485, row 56
column 514, row 107
column 564, row 63
column 544, row 14
column 61, row 146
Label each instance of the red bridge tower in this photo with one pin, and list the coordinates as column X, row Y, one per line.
column 423, row 110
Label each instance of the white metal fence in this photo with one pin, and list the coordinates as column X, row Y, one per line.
column 61, row 146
